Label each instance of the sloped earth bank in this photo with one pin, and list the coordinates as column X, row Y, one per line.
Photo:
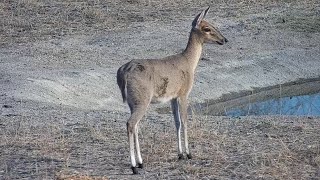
column 61, row 110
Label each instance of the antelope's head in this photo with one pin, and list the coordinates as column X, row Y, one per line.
column 208, row 32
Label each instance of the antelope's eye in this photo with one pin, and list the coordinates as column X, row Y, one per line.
column 207, row 29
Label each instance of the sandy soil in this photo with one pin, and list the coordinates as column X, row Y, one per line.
column 61, row 110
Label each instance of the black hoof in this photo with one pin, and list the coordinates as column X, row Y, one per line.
column 180, row 156
column 189, row 156
column 134, row 170
column 140, row 165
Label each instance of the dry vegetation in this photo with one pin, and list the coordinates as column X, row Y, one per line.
column 22, row 21
column 29, row 20
column 95, row 147
column 60, row 143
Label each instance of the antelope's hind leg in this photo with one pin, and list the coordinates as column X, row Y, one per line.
column 136, row 138
column 132, row 129
column 138, row 103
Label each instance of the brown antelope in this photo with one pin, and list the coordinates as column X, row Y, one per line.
column 160, row 80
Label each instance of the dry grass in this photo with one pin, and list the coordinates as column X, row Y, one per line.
column 78, row 177
column 223, row 148
column 29, row 20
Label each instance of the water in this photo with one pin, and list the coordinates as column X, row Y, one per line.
column 300, row 98
column 296, row 105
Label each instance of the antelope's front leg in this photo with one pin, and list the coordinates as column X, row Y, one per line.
column 177, row 119
column 184, row 118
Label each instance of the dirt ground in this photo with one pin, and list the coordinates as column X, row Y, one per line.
column 61, row 113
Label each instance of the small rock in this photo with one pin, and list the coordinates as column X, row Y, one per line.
column 7, row 106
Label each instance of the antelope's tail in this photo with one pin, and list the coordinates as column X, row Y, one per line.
column 122, row 82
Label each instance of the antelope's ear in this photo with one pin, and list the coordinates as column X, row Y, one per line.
column 199, row 18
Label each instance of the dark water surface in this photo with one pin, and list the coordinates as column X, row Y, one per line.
column 295, row 98
column 295, row 105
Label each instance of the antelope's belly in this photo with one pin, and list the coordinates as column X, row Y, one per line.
column 164, row 99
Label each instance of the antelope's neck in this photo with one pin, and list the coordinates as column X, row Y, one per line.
column 194, row 49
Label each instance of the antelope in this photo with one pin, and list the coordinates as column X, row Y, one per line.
column 146, row 81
